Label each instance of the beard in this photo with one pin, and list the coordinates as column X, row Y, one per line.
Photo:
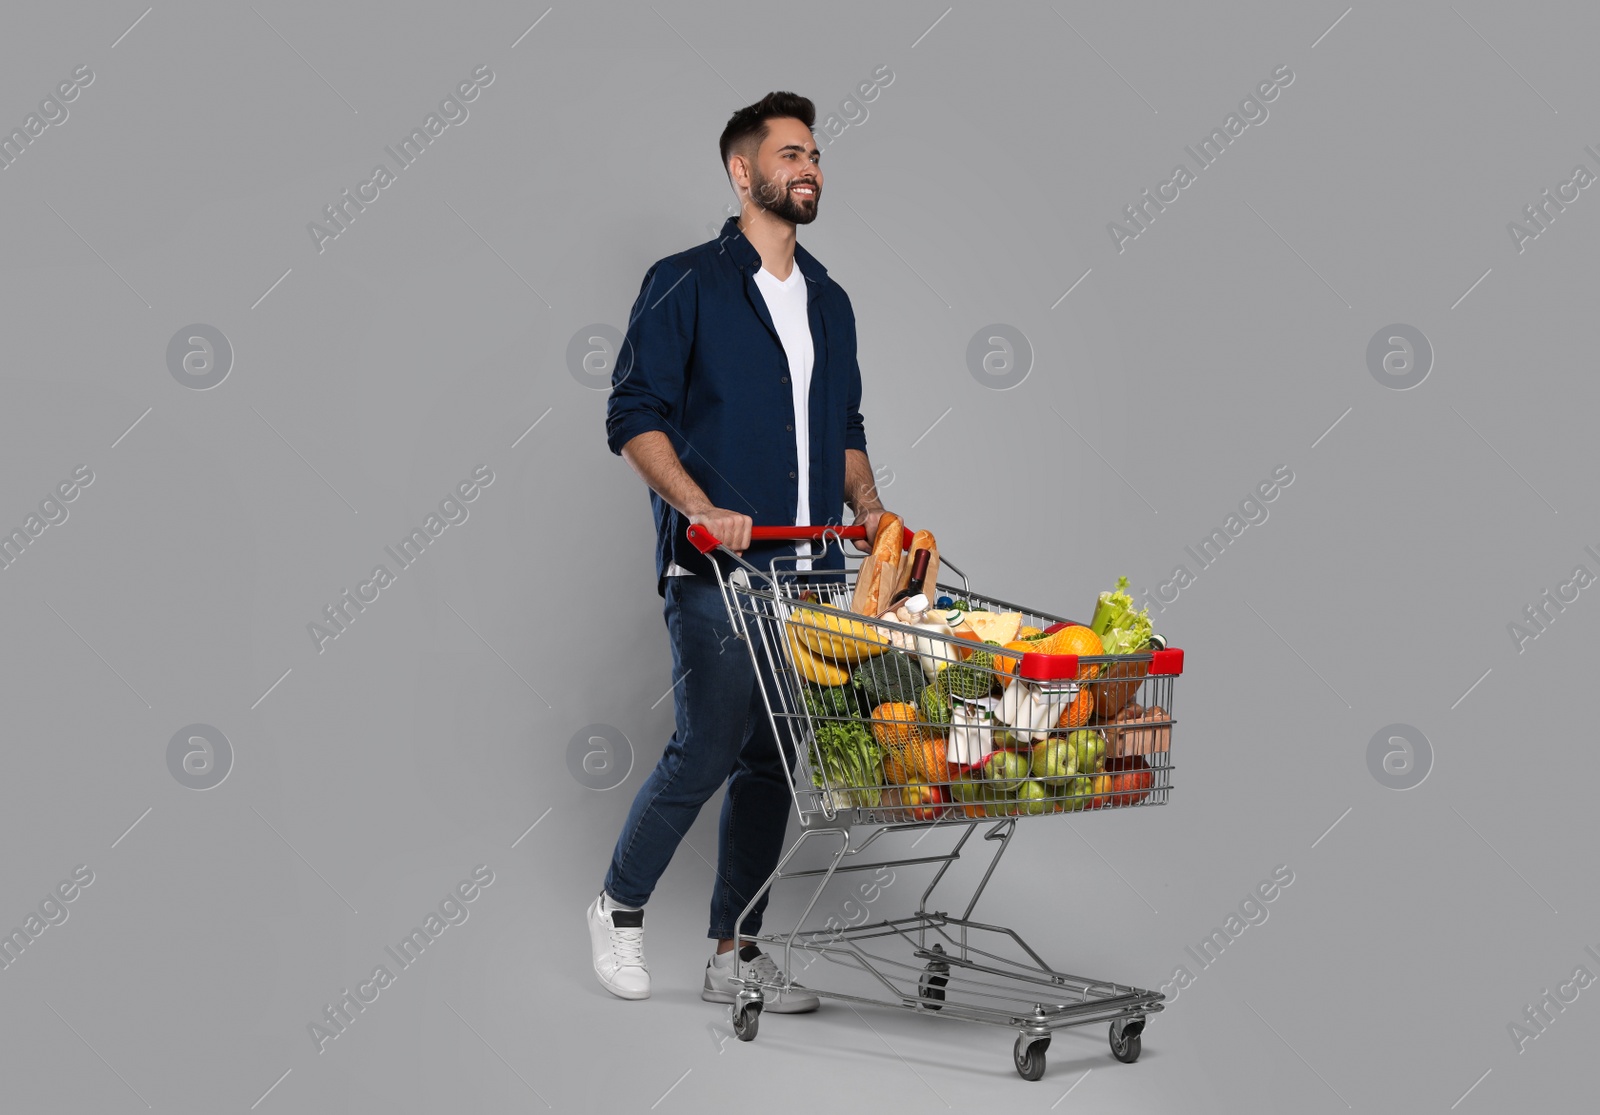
column 777, row 199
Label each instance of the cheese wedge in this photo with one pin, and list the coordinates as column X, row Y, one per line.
column 999, row 627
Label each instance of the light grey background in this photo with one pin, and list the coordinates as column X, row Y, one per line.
column 369, row 378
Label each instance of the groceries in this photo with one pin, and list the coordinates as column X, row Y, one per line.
column 921, row 542
column 891, row 676
column 1033, row 709
column 934, row 706
column 971, row 733
column 896, row 726
column 1120, row 628
column 844, row 640
column 995, row 627
column 1140, row 730
column 845, row 758
column 957, row 724
column 1128, row 779
column 879, row 574
column 830, row 701
column 907, row 613
column 814, row 668
column 966, row 680
column 933, row 644
column 1005, row 769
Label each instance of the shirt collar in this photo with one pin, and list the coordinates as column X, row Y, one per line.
column 746, row 258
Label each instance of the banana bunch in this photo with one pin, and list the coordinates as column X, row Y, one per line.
column 839, row 638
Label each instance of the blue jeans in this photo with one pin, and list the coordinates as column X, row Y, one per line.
column 723, row 735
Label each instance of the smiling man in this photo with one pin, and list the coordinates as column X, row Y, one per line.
column 737, row 401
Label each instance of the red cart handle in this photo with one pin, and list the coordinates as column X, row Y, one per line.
column 705, row 541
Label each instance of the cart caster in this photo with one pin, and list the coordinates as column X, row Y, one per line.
column 1125, row 1040
column 1028, row 1055
column 931, row 984
column 746, row 1020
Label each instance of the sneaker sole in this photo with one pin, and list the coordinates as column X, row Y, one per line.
column 630, row 995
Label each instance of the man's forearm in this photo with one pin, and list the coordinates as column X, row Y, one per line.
column 860, row 488
column 651, row 455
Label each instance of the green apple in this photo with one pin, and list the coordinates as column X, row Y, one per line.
column 1005, row 769
column 1031, row 795
column 1054, row 760
column 966, row 788
column 1078, row 791
column 1089, row 748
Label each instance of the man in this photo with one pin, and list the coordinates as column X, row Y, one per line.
column 737, row 400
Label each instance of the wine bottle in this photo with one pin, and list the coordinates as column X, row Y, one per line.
column 919, row 572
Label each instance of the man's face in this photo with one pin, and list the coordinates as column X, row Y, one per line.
column 787, row 178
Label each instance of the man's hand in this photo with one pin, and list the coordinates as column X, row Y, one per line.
column 730, row 528
column 870, row 520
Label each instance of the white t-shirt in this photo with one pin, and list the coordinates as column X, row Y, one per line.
column 786, row 302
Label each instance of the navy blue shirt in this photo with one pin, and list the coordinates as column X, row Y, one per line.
column 702, row 363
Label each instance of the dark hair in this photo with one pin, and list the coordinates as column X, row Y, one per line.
column 748, row 126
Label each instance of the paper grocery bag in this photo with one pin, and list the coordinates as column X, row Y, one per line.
column 887, row 572
column 866, row 577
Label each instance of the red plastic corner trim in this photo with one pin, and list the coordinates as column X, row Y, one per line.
column 1168, row 661
column 703, row 539
column 1037, row 666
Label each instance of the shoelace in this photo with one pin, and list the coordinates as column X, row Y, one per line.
column 764, row 970
column 627, row 945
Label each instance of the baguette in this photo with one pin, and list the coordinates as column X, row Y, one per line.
column 885, row 559
column 887, row 543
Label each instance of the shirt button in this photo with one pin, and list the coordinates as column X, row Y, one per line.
column 789, row 428
column 791, row 476
column 783, row 379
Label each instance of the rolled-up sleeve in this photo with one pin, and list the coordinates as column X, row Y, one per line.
column 855, row 431
column 647, row 381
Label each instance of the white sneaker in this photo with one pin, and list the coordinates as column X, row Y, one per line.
column 616, row 937
column 761, row 969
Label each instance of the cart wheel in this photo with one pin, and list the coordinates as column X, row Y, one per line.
column 931, row 984
column 1125, row 1040
column 1028, row 1054
column 746, row 1021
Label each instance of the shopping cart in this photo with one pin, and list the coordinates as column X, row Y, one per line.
column 934, row 962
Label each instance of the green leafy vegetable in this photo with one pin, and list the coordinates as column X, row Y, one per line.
column 826, row 701
column 1121, row 629
column 847, row 760
column 890, row 676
